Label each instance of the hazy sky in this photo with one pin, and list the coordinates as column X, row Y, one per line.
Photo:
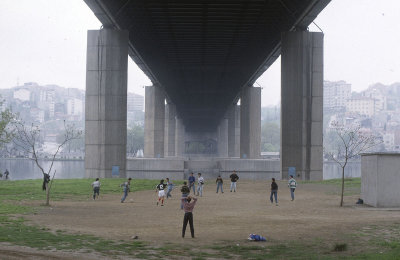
column 45, row 41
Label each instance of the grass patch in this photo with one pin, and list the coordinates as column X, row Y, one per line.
column 68, row 188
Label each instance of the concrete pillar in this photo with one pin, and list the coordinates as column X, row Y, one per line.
column 302, row 107
column 223, row 138
column 154, row 117
column 250, row 123
column 179, row 137
column 233, row 131
column 170, row 124
column 106, row 102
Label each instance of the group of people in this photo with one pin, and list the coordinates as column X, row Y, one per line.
column 292, row 184
column 188, row 202
column 219, row 181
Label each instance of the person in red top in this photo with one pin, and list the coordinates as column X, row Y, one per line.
column 188, row 208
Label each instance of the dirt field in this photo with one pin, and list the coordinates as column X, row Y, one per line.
column 218, row 217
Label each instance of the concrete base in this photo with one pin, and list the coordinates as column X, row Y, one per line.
column 380, row 180
column 179, row 168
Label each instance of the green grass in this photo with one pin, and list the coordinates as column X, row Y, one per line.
column 372, row 242
column 67, row 188
column 348, row 182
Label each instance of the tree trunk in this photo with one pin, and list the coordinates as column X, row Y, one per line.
column 47, row 195
column 341, row 197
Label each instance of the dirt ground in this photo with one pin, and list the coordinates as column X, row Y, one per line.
column 229, row 216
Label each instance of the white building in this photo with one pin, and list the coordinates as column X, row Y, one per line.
column 37, row 115
column 75, row 107
column 336, row 93
column 135, row 102
column 361, row 105
column 22, row 94
column 388, row 140
column 380, row 99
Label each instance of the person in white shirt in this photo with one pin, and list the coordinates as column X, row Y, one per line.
column 200, row 184
column 292, row 184
column 96, row 188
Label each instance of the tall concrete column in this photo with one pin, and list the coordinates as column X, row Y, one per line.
column 233, row 131
column 154, row 117
column 250, row 123
column 302, row 104
column 170, row 124
column 223, row 138
column 106, row 102
column 179, row 137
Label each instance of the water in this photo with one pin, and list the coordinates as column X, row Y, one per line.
column 22, row 168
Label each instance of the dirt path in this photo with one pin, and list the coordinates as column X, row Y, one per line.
column 217, row 217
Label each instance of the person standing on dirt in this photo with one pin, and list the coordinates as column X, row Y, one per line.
column 200, row 184
column 170, row 186
column 188, row 207
column 219, row 182
column 234, row 178
column 274, row 192
column 127, row 188
column 292, row 184
column 192, row 180
column 96, row 188
column 161, row 192
column 6, row 173
column 185, row 192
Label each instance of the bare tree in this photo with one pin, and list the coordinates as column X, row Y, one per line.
column 353, row 142
column 27, row 139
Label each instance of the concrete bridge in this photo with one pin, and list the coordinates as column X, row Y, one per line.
column 202, row 57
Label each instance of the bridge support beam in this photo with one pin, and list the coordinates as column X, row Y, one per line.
column 302, row 108
column 106, row 102
column 223, row 138
column 234, row 131
column 179, row 137
column 154, row 122
column 250, row 123
column 170, row 124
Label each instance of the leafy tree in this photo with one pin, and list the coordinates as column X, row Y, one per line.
column 135, row 139
column 353, row 142
column 270, row 137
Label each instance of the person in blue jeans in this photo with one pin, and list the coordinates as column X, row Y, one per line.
column 292, row 185
column 185, row 192
column 192, row 180
column 219, row 182
column 169, row 188
column 274, row 192
column 127, row 188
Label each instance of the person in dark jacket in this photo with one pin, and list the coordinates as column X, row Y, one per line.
column 274, row 192
column 219, row 182
column 234, row 178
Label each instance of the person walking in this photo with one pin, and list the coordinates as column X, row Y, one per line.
column 185, row 192
column 219, row 182
column 127, row 188
column 6, row 173
column 188, row 217
column 96, row 188
column 192, row 180
column 170, row 186
column 292, row 184
column 200, row 183
column 274, row 192
column 161, row 192
column 234, row 178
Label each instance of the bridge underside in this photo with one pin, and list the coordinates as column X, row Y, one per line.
column 202, row 57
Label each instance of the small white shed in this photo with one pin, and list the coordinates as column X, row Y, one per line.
column 380, row 179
